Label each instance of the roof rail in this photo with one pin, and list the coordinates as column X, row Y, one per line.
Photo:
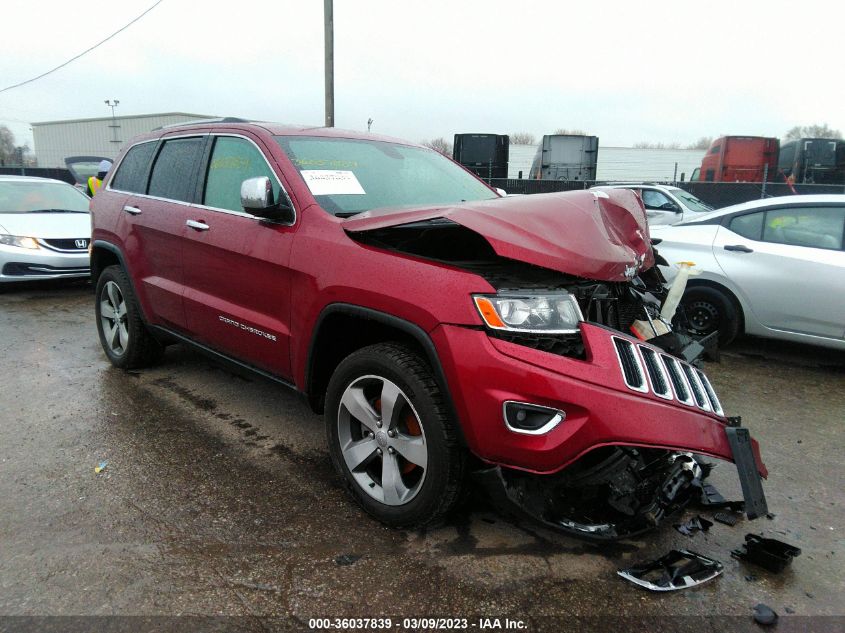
column 225, row 119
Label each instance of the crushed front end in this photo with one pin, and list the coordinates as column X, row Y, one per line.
column 585, row 402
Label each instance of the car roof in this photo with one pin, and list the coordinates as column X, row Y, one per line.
column 30, row 179
column 765, row 203
column 276, row 129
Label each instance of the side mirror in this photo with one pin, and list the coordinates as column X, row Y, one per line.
column 257, row 199
column 501, row 192
column 670, row 206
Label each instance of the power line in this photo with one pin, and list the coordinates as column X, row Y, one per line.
column 86, row 51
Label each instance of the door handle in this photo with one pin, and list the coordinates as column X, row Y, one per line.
column 197, row 226
column 739, row 248
column 132, row 210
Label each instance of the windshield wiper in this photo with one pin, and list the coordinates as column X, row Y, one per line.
column 347, row 214
column 55, row 211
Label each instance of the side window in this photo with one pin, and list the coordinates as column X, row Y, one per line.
column 131, row 175
column 749, row 225
column 716, row 149
column 815, row 227
column 174, row 169
column 654, row 199
column 233, row 161
column 710, row 175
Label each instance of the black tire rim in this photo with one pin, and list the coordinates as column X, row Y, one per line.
column 703, row 317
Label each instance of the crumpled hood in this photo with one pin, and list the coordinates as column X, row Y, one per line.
column 599, row 235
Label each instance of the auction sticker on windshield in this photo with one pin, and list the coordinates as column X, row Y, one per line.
column 325, row 182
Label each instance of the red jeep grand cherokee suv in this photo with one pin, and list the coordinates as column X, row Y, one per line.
column 444, row 330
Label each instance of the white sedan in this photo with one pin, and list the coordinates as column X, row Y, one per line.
column 772, row 268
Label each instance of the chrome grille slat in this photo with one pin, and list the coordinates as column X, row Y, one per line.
column 656, row 373
column 679, row 381
column 711, row 393
column 629, row 361
column 697, row 390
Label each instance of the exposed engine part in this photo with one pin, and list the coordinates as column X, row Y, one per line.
column 610, row 493
column 679, row 569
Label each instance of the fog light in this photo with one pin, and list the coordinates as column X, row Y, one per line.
column 531, row 419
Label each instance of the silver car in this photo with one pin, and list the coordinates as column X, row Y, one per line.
column 45, row 229
column 665, row 204
column 772, row 268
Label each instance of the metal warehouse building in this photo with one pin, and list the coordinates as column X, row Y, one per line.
column 56, row 140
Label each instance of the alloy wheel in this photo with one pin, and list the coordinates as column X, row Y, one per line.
column 382, row 440
column 114, row 318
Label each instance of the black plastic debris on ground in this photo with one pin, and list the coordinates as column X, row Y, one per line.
column 711, row 498
column 679, row 569
column 765, row 615
column 347, row 559
column 728, row 518
column 695, row 524
column 768, row 553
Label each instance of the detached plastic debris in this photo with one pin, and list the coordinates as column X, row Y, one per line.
column 765, row 615
column 679, row 569
column 728, row 518
column 101, row 467
column 712, row 498
column 768, row 553
column 695, row 524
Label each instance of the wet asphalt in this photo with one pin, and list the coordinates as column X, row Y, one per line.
column 218, row 499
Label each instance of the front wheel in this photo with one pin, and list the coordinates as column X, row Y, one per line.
column 391, row 438
column 123, row 335
column 710, row 310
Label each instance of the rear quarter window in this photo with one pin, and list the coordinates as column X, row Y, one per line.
column 131, row 175
column 813, row 227
column 749, row 226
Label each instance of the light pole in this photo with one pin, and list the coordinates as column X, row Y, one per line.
column 113, row 103
column 328, row 29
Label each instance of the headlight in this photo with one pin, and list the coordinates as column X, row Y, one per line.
column 20, row 242
column 553, row 313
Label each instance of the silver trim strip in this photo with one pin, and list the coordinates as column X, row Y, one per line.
column 711, row 393
column 72, row 251
column 559, row 417
column 690, row 370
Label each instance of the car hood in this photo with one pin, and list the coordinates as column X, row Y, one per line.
column 599, row 235
column 46, row 225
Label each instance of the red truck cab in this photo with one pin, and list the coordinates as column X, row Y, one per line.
column 739, row 159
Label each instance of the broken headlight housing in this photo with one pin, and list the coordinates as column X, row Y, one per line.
column 538, row 313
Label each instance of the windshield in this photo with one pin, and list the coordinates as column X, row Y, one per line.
column 348, row 176
column 820, row 152
column 28, row 196
column 691, row 202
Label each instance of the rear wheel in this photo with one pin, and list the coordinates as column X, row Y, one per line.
column 391, row 438
column 710, row 310
column 123, row 335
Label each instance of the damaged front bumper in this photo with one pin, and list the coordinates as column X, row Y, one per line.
column 628, row 435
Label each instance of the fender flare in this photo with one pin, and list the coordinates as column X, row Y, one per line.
column 115, row 250
column 411, row 329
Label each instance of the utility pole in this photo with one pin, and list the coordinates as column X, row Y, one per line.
column 113, row 103
column 328, row 23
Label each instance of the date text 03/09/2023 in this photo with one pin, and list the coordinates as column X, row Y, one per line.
column 417, row 624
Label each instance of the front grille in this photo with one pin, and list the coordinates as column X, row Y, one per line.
column 668, row 377
column 66, row 244
column 18, row 269
column 630, row 363
column 656, row 374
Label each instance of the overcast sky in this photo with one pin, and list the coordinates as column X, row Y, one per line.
column 625, row 71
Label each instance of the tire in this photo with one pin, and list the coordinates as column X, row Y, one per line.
column 420, row 427
column 708, row 310
column 124, row 337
